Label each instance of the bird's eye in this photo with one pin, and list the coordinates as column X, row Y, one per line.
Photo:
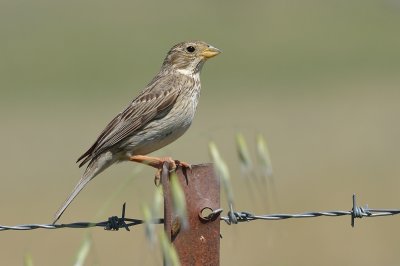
column 190, row 49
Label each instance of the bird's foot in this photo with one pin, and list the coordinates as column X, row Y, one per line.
column 158, row 163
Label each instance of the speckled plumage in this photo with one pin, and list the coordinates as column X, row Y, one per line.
column 160, row 114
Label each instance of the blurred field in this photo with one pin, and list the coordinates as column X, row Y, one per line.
column 320, row 80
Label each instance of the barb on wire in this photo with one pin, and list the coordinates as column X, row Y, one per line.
column 356, row 212
column 113, row 223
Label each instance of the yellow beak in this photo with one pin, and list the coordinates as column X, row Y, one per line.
column 210, row 52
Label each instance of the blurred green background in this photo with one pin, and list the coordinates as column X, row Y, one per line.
column 320, row 80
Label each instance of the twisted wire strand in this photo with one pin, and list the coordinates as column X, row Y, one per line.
column 356, row 212
column 113, row 223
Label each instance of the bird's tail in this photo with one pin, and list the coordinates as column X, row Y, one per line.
column 94, row 168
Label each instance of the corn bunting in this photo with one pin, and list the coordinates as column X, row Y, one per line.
column 160, row 114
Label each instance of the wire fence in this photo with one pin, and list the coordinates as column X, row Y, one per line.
column 232, row 217
column 113, row 223
column 356, row 212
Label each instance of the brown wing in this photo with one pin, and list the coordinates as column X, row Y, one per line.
column 159, row 96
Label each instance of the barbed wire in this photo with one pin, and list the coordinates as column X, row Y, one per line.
column 115, row 223
column 356, row 212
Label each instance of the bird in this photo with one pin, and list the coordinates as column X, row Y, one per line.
column 161, row 113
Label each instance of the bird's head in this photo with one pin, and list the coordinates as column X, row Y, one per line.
column 189, row 57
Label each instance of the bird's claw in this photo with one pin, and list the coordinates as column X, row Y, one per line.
column 173, row 165
column 183, row 165
column 157, row 177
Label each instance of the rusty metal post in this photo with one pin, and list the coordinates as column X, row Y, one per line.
column 199, row 244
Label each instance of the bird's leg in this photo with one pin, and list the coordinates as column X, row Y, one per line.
column 158, row 163
column 154, row 161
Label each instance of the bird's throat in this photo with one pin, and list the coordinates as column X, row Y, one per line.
column 185, row 72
